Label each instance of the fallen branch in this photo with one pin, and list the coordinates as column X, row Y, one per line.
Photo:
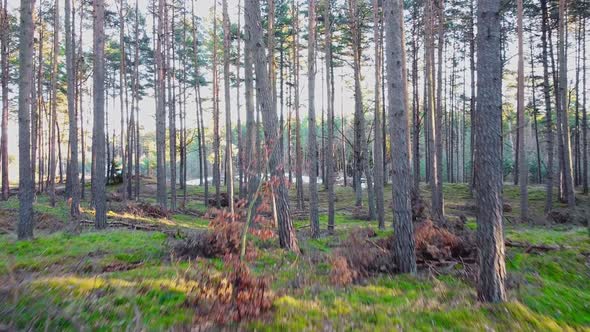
column 530, row 247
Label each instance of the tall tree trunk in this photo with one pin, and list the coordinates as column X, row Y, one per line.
column 472, row 116
column 200, row 127
column 399, row 135
column 360, row 141
column 53, row 121
column 216, row 138
column 287, row 237
column 584, row 116
column 161, row 110
column 228, row 129
column 433, row 130
column 488, row 154
column 548, row 115
column 134, row 192
column 34, row 119
column 298, row 146
column 535, row 112
column 122, row 99
column 415, row 99
column 437, row 200
column 241, row 188
column 171, row 102
column 98, row 178
column 576, row 138
column 251, row 130
column 522, row 163
column 5, row 40
column 330, row 143
column 563, row 104
column 72, row 177
column 79, row 57
column 25, row 186
column 378, row 149
column 40, row 106
column 559, row 173
column 312, row 142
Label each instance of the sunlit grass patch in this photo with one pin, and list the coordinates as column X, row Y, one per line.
column 64, row 303
column 77, row 251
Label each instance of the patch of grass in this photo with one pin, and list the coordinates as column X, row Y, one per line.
column 108, row 247
column 576, row 237
column 104, row 303
column 401, row 303
column 555, row 284
column 189, row 221
column 42, row 205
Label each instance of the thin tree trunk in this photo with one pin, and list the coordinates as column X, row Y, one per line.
column 437, row 201
column 228, row 129
column 522, row 164
column 122, row 98
column 216, row 139
column 238, row 107
column 53, row 121
column 535, row 113
column 287, row 237
column 200, row 127
column 330, row 143
column 584, row 116
column 548, row 115
column 251, row 133
column 312, row 141
column 433, row 129
column 560, row 182
column 171, row 102
column 160, row 110
column 472, row 116
column 378, row 149
column 25, row 191
column 34, row 120
column 40, row 107
column 567, row 154
column 298, row 146
column 5, row 40
column 415, row 99
column 98, row 179
column 72, row 176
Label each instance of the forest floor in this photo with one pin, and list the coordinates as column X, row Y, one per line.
column 71, row 277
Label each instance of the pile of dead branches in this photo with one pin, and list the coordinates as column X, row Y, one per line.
column 146, row 210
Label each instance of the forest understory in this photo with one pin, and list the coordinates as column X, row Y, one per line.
column 136, row 275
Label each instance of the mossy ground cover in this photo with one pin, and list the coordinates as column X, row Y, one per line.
column 122, row 279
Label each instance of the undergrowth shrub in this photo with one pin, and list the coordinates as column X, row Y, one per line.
column 435, row 243
column 234, row 295
column 359, row 257
column 224, row 235
column 143, row 209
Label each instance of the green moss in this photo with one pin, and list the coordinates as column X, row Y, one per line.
column 41, row 205
column 64, row 249
column 189, row 221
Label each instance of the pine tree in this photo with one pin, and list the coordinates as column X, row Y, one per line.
column 399, row 135
column 25, row 86
column 287, row 237
column 98, row 136
column 488, row 157
column 313, row 175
